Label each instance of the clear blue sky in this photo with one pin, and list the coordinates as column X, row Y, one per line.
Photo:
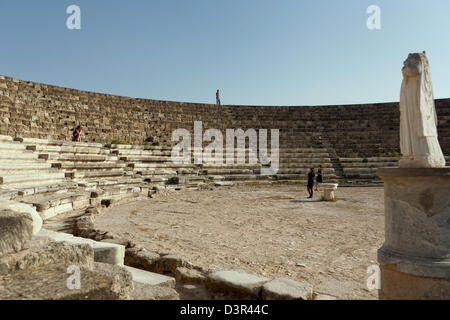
column 259, row 52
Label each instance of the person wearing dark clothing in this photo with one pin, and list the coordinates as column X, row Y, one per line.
column 76, row 136
column 310, row 186
column 218, row 97
column 319, row 178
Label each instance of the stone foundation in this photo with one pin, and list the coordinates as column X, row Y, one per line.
column 414, row 259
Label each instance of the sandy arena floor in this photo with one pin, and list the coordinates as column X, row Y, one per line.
column 271, row 231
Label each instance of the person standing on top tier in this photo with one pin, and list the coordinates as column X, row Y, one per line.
column 218, row 97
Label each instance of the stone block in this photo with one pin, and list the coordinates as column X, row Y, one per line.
column 44, row 251
column 16, row 231
column 150, row 278
column 24, row 208
column 140, row 258
column 149, row 292
column 414, row 259
column 286, row 289
column 189, row 275
column 236, row 284
column 104, row 282
column 103, row 252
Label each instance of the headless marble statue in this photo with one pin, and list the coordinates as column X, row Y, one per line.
column 418, row 120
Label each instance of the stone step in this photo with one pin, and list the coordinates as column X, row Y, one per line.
column 118, row 198
column 68, row 149
column 113, row 191
column 150, row 278
column 18, row 155
column 7, row 194
column 163, row 165
column 244, row 177
column 28, row 178
column 156, row 179
column 369, row 164
column 11, row 146
column 137, row 153
column 230, row 166
column 325, row 171
column 89, row 165
column 305, row 165
column 100, row 183
column 223, row 184
column 301, row 177
column 227, row 171
column 300, row 150
column 366, row 176
column 304, row 158
column 157, row 172
column 349, row 171
column 370, row 159
column 137, row 147
column 53, row 205
column 103, row 251
column 145, row 159
column 64, row 223
column 77, row 157
column 24, row 165
column 40, row 188
column 35, row 141
column 318, row 156
column 4, row 138
column 94, row 174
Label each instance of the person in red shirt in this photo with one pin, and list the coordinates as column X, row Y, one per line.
column 76, row 136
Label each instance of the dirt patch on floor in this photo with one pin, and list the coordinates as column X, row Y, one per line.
column 271, row 231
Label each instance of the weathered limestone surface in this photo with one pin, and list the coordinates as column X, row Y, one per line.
column 44, row 252
column 24, row 208
column 16, row 230
column 149, row 292
column 189, row 275
column 141, row 258
column 414, row 259
column 236, row 283
column 104, row 282
column 286, row 289
column 103, row 252
column 150, row 278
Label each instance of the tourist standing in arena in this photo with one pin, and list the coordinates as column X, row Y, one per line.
column 218, row 97
column 310, row 186
column 76, row 136
column 319, row 178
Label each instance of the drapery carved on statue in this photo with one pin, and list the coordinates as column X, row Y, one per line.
column 418, row 119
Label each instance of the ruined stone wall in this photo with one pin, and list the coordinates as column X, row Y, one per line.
column 31, row 109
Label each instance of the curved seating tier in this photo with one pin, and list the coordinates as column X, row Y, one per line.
column 295, row 163
column 364, row 170
column 58, row 177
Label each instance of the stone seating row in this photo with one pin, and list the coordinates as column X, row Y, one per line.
column 364, row 170
column 59, row 177
column 296, row 162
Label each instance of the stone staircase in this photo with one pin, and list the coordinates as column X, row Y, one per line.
column 232, row 169
column 364, row 170
column 295, row 163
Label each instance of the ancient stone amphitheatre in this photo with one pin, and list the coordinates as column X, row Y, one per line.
column 138, row 226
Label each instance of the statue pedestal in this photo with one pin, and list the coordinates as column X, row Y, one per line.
column 415, row 258
column 328, row 191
